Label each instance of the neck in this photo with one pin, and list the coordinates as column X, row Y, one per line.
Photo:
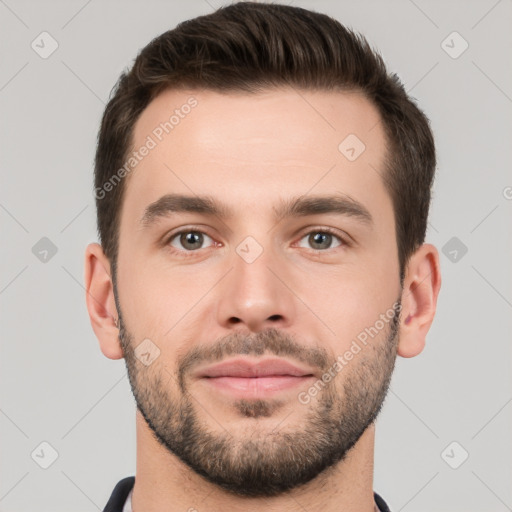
column 163, row 482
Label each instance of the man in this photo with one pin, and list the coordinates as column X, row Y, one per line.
column 263, row 187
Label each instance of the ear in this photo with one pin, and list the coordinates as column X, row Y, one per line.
column 419, row 299
column 100, row 301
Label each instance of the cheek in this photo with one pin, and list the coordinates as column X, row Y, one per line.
column 147, row 300
column 162, row 303
column 347, row 301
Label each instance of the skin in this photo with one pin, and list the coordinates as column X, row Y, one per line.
column 249, row 152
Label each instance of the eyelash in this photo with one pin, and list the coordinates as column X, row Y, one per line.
column 196, row 229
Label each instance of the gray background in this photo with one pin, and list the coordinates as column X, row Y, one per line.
column 57, row 387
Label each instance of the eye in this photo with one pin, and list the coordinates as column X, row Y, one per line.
column 188, row 240
column 322, row 239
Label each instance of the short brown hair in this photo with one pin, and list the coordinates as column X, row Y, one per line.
column 251, row 47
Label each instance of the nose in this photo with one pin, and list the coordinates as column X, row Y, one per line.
column 254, row 295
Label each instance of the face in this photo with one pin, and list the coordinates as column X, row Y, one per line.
column 258, row 302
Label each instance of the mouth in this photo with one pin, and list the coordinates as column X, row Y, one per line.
column 244, row 378
column 255, row 387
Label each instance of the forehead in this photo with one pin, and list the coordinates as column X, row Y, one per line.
column 249, row 148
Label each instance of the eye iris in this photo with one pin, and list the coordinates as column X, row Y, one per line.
column 319, row 238
column 192, row 237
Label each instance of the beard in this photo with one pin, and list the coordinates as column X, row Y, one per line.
column 264, row 462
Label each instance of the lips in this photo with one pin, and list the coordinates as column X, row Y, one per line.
column 244, row 368
column 253, row 379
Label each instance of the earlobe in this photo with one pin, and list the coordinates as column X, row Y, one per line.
column 100, row 301
column 419, row 299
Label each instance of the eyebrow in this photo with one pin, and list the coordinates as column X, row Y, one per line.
column 301, row 206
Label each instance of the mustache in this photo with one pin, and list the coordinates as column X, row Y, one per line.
column 270, row 341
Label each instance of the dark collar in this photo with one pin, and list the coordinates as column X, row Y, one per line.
column 123, row 488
